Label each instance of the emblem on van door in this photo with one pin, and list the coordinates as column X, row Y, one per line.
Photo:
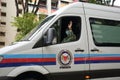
column 65, row 59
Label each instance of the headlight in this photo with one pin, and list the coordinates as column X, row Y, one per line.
column 1, row 58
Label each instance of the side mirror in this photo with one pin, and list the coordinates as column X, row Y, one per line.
column 48, row 39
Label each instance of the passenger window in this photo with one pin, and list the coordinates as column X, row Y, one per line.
column 105, row 32
column 67, row 29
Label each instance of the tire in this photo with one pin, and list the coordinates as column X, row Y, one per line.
column 30, row 76
column 29, row 79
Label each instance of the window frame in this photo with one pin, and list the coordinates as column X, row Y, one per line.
column 3, row 4
column 3, row 23
column 80, row 27
column 3, row 14
column 2, row 33
column 2, row 43
column 39, row 43
column 102, row 44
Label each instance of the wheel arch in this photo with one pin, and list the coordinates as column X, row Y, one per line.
column 31, row 74
column 28, row 70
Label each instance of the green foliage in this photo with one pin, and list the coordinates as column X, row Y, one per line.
column 102, row 2
column 25, row 24
column 30, row 0
column 92, row 1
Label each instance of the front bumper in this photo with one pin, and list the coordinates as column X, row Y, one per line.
column 6, row 78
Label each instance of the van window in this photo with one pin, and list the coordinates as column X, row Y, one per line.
column 62, row 30
column 46, row 20
column 105, row 32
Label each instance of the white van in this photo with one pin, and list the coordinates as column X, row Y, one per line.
column 93, row 54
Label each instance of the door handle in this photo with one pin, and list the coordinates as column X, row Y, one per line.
column 95, row 49
column 79, row 50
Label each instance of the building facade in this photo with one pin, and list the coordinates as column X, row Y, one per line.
column 55, row 5
column 7, row 31
column 9, row 9
column 40, row 6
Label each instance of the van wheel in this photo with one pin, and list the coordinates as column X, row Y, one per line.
column 30, row 76
column 29, row 79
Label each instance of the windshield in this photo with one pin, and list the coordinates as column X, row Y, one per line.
column 46, row 20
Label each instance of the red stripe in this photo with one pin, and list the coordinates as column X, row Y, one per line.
column 97, row 58
column 80, row 59
column 15, row 60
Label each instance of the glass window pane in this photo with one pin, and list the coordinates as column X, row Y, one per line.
column 105, row 32
column 61, row 27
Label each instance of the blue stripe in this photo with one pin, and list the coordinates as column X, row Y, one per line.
column 22, row 56
column 104, row 55
column 81, row 55
column 97, row 61
column 26, row 64
column 54, row 55
column 18, row 56
column 29, row 55
column 49, row 55
column 103, row 61
column 96, row 55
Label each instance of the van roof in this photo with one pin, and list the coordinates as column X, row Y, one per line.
column 66, row 8
column 88, row 6
column 101, row 7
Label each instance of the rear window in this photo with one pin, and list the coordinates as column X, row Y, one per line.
column 105, row 32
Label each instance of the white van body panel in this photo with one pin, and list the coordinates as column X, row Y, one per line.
column 77, row 10
column 102, row 13
column 117, row 78
column 16, row 47
column 84, row 61
column 19, row 70
column 6, row 71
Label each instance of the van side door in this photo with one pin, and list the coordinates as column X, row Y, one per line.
column 104, row 47
column 66, row 56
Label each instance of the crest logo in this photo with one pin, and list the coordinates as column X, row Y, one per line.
column 65, row 59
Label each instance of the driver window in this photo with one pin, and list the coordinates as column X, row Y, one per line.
column 67, row 29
